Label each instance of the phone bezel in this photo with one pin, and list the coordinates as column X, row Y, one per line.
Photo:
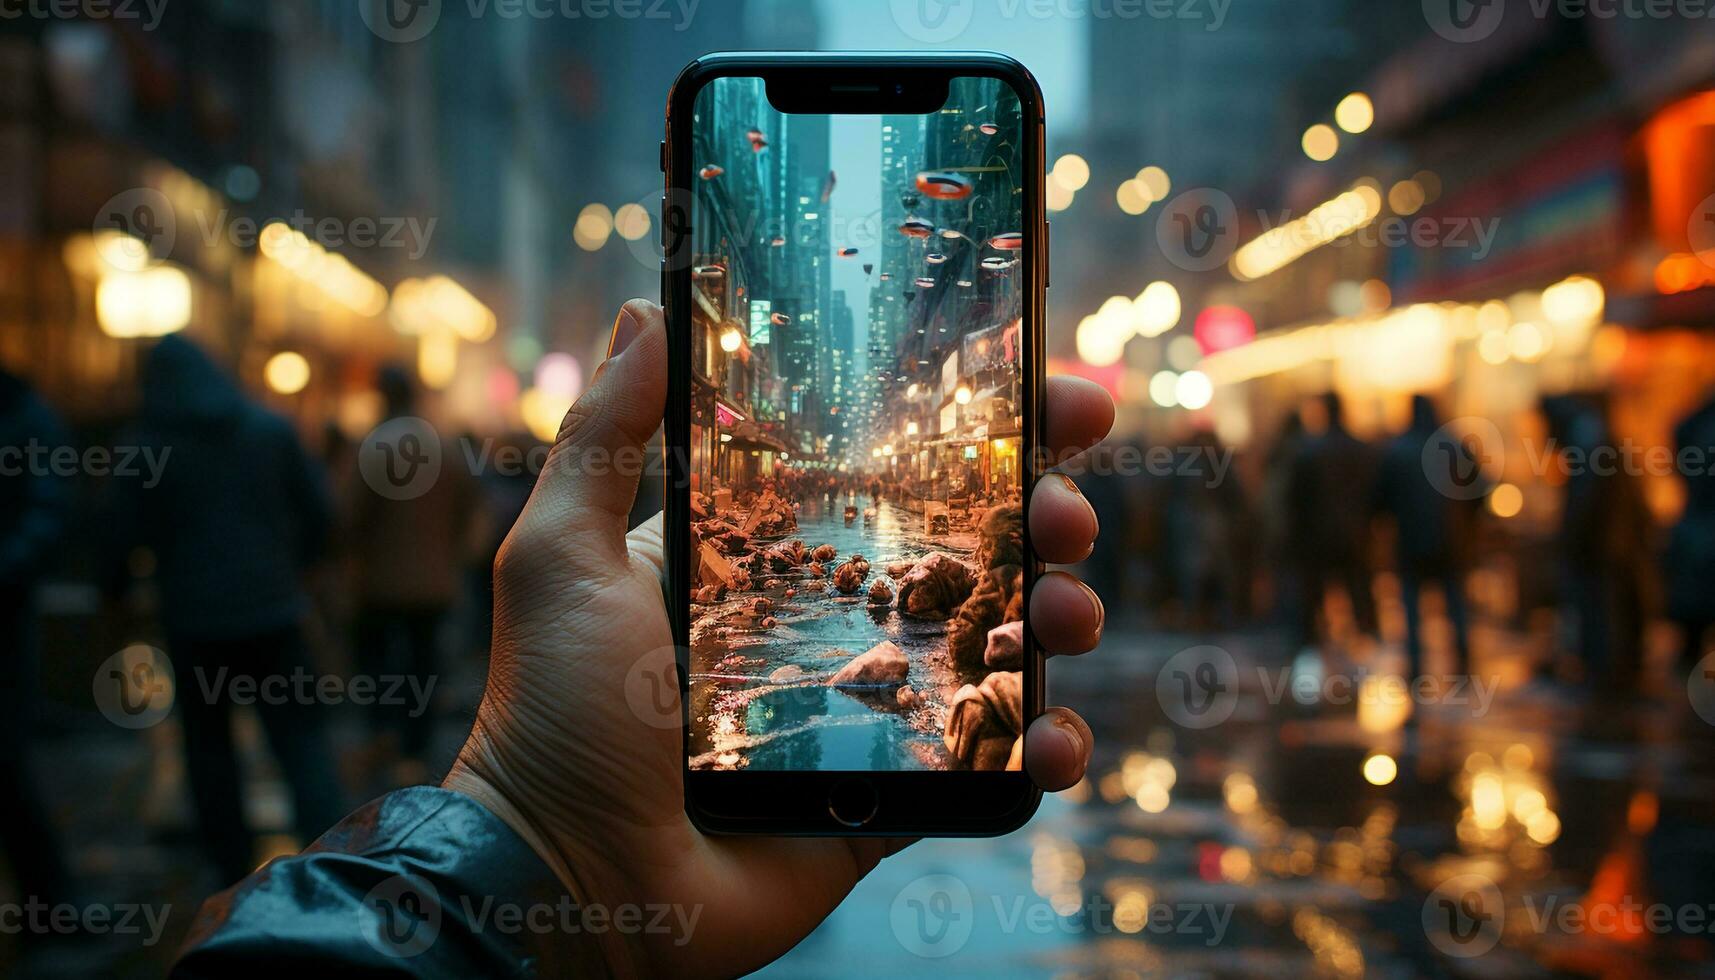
column 910, row 803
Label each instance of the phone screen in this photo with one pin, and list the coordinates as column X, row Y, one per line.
column 856, row 440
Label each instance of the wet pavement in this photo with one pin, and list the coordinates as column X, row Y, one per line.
column 1531, row 831
column 1509, row 827
column 758, row 690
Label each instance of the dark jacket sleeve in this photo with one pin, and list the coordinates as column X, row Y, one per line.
column 28, row 546
column 423, row 882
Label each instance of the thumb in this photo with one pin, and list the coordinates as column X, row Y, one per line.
column 585, row 491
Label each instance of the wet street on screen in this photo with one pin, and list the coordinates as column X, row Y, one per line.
column 767, row 704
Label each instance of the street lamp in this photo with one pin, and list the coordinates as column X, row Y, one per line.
column 911, row 428
column 963, row 395
column 730, row 340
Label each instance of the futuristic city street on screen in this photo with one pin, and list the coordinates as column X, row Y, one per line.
column 856, row 437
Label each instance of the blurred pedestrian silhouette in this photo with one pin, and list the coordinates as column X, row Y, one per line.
column 1603, row 543
column 1203, row 517
column 1274, row 512
column 238, row 516
column 1328, row 503
column 407, row 555
column 32, row 507
column 1691, row 546
column 1433, row 531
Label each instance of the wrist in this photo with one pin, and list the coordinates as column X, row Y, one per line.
column 474, row 774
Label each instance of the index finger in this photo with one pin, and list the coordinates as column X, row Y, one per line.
column 1080, row 413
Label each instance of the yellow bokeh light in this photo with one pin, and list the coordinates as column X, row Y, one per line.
column 1133, row 197
column 543, row 413
column 437, row 358
column 1405, row 197
column 594, row 225
column 1164, row 389
column 1193, row 390
column 1506, row 500
column 150, row 303
column 1355, row 113
column 1057, row 196
column 1527, row 342
column 1156, row 310
column 1072, row 171
column 287, row 372
column 1380, row 769
column 1154, row 180
column 631, row 221
column 1321, row 142
column 1099, row 342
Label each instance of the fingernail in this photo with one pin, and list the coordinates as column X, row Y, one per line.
column 1071, row 484
column 1069, row 732
column 1096, row 604
column 625, row 330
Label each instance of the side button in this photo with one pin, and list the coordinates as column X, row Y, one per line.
column 663, row 156
column 1047, row 254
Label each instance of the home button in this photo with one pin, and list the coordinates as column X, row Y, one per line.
column 852, row 802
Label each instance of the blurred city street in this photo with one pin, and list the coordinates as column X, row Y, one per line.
column 1263, row 846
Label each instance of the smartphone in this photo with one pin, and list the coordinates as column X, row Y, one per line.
column 854, row 271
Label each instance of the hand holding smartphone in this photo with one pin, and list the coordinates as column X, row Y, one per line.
column 854, row 280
